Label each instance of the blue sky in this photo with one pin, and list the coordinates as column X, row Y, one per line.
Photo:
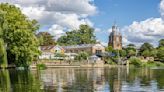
column 124, row 12
column 139, row 20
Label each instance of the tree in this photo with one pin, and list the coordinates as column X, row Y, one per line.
column 18, row 34
column 84, row 35
column 131, row 50
column 160, row 54
column 161, row 43
column 82, row 56
column 109, row 49
column 131, row 53
column 3, row 55
column 146, row 46
column 45, row 38
column 146, row 50
column 123, row 53
column 146, row 53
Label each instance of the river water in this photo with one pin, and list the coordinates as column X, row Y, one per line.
column 118, row 79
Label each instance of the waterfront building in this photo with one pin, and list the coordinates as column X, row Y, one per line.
column 48, row 52
column 115, row 38
column 92, row 49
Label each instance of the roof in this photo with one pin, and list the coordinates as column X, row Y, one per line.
column 47, row 47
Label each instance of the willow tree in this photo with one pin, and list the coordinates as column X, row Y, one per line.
column 18, row 34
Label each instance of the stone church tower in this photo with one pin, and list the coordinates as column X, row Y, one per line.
column 115, row 38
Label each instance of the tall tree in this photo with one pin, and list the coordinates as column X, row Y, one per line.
column 18, row 33
column 84, row 35
column 3, row 55
column 146, row 46
column 46, row 38
column 146, row 49
column 160, row 53
column 130, row 50
column 161, row 43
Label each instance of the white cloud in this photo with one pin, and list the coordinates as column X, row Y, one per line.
column 66, row 13
column 150, row 30
column 57, row 31
column 104, row 43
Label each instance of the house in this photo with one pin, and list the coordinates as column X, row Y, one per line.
column 92, row 49
column 48, row 52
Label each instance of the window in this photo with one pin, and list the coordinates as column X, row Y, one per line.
column 98, row 52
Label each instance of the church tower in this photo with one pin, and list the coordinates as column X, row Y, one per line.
column 115, row 38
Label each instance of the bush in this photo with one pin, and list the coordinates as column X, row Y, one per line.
column 82, row 56
column 153, row 64
column 135, row 61
column 110, row 61
column 41, row 66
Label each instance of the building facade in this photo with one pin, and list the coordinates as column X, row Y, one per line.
column 92, row 49
column 48, row 52
column 115, row 38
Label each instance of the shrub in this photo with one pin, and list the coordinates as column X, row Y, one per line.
column 41, row 66
column 82, row 56
column 110, row 61
column 135, row 61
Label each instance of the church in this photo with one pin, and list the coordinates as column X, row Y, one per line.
column 115, row 38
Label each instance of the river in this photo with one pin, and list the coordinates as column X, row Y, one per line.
column 118, row 79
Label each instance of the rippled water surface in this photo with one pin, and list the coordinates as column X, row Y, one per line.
column 83, row 80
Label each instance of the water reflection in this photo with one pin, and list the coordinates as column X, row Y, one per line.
column 118, row 79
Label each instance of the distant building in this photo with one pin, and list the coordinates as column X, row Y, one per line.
column 48, row 52
column 92, row 49
column 115, row 38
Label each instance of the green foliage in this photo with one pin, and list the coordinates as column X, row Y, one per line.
column 84, row 35
column 131, row 50
column 160, row 54
column 41, row 66
column 82, row 56
column 153, row 64
column 153, row 53
column 3, row 55
column 146, row 53
column 110, row 61
column 146, row 46
column 18, row 33
column 161, row 43
column 135, row 61
column 109, row 49
column 123, row 53
column 131, row 53
column 59, row 55
column 45, row 38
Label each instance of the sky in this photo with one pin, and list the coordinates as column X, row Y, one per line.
column 139, row 21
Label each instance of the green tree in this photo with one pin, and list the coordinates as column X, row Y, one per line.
column 147, row 50
column 82, row 56
column 153, row 52
column 18, row 33
column 131, row 53
column 109, row 49
column 146, row 46
column 123, row 53
column 3, row 55
column 46, row 38
column 131, row 50
column 161, row 43
column 160, row 54
column 146, row 53
column 84, row 35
